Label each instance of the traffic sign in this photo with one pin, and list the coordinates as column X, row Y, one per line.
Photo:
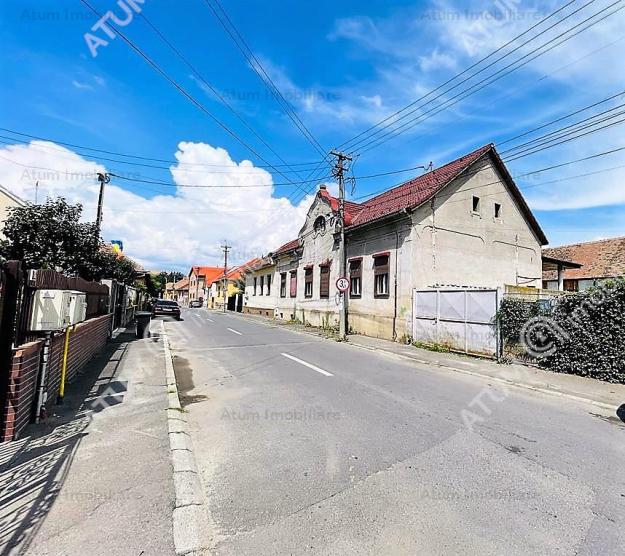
column 342, row 284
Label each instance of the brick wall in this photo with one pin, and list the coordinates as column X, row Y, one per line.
column 86, row 341
column 22, row 388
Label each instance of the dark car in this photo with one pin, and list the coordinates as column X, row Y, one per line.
column 195, row 303
column 165, row 307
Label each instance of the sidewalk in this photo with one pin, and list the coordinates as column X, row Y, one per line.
column 97, row 477
column 596, row 392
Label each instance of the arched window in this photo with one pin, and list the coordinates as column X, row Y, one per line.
column 320, row 224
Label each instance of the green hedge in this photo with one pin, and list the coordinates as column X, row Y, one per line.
column 587, row 330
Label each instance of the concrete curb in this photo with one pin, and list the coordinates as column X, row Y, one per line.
column 190, row 515
column 433, row 364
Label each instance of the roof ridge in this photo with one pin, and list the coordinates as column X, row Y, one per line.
column 432, row 171
column 605, row 240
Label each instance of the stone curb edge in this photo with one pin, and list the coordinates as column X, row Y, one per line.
column 507, row 382
column 190, row 515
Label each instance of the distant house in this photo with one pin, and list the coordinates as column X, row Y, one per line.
column 7, row 201
column 260, row 295
column 600, row 260
column 234, row 279
column 181, row 291
column 462, row 225
column 200, row 279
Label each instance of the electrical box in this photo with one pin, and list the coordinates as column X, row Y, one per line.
column 57, row 309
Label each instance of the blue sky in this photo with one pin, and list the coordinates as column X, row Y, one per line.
column 341, row 70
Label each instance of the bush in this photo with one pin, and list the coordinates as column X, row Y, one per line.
column 594, row 345
column 586, row 329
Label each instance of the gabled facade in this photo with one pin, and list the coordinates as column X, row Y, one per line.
column 464, row 224
column 181, row 291
column 200, row 279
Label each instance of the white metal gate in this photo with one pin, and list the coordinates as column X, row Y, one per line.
column 460, row 319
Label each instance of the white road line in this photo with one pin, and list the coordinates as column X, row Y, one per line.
column 309, row 365
column 210, row 320
column 235, row 331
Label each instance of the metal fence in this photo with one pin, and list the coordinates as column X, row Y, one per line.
column 458, row 319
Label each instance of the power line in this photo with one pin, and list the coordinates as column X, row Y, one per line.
column 187, row 95
column 235, row 168
column 526, row 174
column 169, row 161
column 489, row 80
column 213, row 90
column 458, row 75
column 257, row 67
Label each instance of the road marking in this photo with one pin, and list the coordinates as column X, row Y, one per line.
column 309, row 365
column 235, row 331
column 210, row 320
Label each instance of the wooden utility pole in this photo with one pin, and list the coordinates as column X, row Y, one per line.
column 338, row 172
column 225, row 248
column 103, row 179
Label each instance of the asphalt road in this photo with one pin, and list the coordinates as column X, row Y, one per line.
column 309, row 446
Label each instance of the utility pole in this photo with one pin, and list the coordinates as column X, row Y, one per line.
column 103, row 179
column 338, row 172
column 225, row 248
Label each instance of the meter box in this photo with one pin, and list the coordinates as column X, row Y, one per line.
column 57, row 309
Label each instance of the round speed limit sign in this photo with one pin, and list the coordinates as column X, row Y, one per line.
column 342, row 284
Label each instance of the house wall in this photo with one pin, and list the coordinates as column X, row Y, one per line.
column 264, row 302
column 455, row 246
column 390, row 316
column 6, row 202
column 318, row 248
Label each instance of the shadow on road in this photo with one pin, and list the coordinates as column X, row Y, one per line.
column 33, row 469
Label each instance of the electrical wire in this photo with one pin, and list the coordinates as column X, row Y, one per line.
column 187, row 95
column 344, row 144
column 489, row 80
column 257, row 67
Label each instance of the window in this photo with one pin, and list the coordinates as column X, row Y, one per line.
column 497, row 210
column 476, row 204
column 320, row 224
column 380, row 275
column 283, row 284
column 255, row 280
column 324, row 281
column 308, row 282
column 268, row 284
column 262, row 285
column 355, row 278
column 293, row 284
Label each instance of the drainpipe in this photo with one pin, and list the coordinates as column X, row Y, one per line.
column 42, row 394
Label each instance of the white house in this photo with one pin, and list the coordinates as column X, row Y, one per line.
column 7, row 201
column 464, row 224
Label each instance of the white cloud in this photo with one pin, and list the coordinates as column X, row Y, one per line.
column 179, row 226
column 81, row 85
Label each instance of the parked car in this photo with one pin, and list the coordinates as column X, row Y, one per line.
column 166, row 307
column 195, row 303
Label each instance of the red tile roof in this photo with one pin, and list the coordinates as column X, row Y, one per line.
column 604, row 258
column 181, row 284
column 289, row 246
column 416, row 191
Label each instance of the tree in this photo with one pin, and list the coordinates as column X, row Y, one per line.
column 51, row 236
